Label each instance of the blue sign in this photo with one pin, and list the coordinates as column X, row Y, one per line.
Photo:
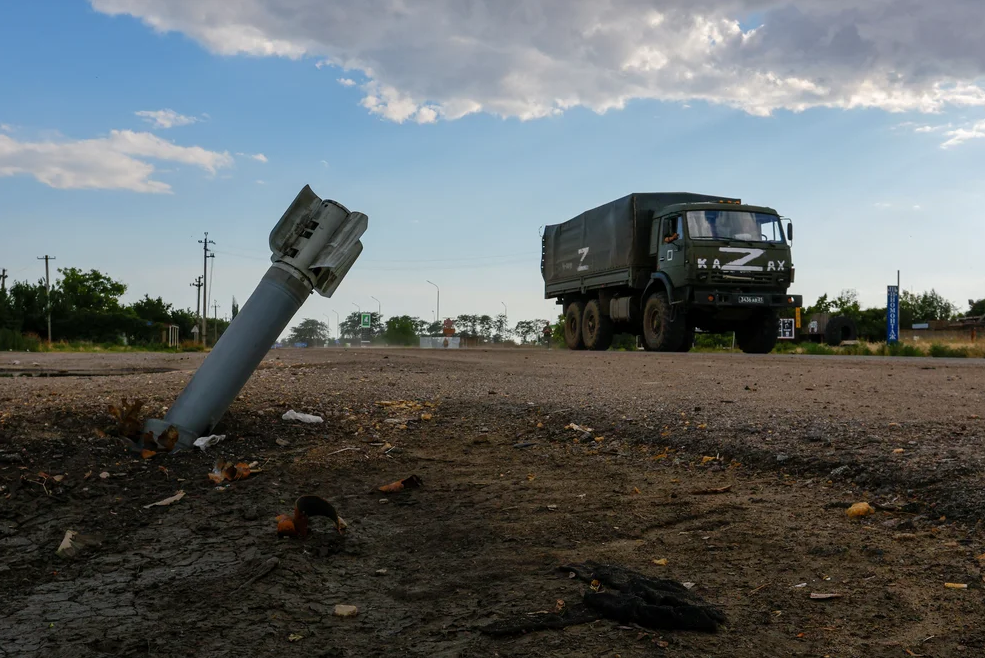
column 892, row 314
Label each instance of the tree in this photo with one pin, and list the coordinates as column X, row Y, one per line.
column 502, row 328
column 925, row 307
column 92, row 291
column 485, row 323
column 235, row 308
column 847, row 304
column 351, row 327
column 401, row 330
column 155, row 310
column 467, row 325
column 310, row 331
column 977, row 308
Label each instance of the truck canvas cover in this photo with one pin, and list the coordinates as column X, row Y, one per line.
column 614, row 236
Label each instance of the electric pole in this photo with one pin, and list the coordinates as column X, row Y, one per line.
column 205, row 276
column 198, row 296
column 3, row 280
column 215, row 322
column 47, row 287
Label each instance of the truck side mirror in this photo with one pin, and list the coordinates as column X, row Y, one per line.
column 790, row 232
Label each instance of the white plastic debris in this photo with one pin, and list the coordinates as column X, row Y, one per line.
column 304, row 418
column 208, row 441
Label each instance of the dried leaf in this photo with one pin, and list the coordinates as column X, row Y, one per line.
column 706, row 459
column 147, row 454
column 662, row 562
column 956, row 585
column 708, row 492
column 294, row 637
column 860, row 509
column 168, row 439
column 426, row 416
column 411, row 482
column 167, row 501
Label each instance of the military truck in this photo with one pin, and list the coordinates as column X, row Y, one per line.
column 664, row 265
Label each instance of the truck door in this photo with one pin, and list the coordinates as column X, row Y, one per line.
column 670, row 249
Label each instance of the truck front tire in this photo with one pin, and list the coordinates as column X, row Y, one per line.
column 573, row 317
column 660, row 332
column 597, row 330
column 759, row 334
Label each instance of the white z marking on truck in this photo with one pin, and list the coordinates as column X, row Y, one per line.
column 581, row 264
column 739, row 265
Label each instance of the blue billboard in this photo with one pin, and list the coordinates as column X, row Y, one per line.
column 892, row 314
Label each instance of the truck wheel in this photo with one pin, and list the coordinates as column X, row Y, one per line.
column 572, row 326
column 596, row 330
column 840, row 329
column 759, row 334
column 660, row 333
column 688, row 341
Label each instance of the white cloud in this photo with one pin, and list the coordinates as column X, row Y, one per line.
column 431, row 59
column 882, row 205
column 6, row 128
column 347, row 82
column 259, row 157
column 959, row 136
column 261, row 182
column 118, row 161
column 165, row 118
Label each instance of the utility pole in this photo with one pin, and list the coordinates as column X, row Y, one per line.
column 47, row 287
column 3, row 280
column 205, row 277
column 215, row 322
column 437, row 312
column 198, row 297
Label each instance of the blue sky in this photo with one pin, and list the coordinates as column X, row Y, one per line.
column 455, row 197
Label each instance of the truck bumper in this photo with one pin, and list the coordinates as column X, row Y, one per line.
column 720, row 299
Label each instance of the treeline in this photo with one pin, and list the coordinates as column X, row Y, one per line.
column 407, row 330
column 87, row 307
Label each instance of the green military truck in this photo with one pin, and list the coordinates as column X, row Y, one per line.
column 663, row 265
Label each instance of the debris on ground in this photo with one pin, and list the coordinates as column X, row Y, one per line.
column 304, row 508
column 578, row 428
column 412, row 482
column 224, row 471
column 129, row 426
column 825, row 597
column 956, row 585
column 859, row 510
column 304, row 418
column 205, row 442
column 346, row 611
column 624, row 596
column 167, row 501
column 294, row 637
column 73, row 543
column 711, row 492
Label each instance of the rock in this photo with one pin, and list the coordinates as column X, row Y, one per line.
column 346, row 611
column 838, row 472
column 782, row 458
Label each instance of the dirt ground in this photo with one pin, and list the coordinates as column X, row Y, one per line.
column 510, row 493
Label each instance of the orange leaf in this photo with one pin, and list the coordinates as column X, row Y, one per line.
column 168, row 439
column 407, row 483
column 285, row 526
column 240, row 471
column 147, row 454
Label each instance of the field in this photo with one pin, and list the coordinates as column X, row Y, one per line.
column 727, row 471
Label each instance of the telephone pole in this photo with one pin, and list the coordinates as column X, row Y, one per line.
column 215, row 322
column 47, row 287
column 198, row 296
column 205, row 276
column 3, row 280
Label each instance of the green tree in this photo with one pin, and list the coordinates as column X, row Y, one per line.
column 351, row 329
column 401, row 330
column 91, row 291
column 310, row 331
column 925, row 307
column 485, row 323
column 467, row 325
column 155, row 310
column 977, row 308
column 235, row 308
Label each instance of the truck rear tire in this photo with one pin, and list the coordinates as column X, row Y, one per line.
column 596, row 329
column 573, row 316
column 759, row 334
column 660, row 333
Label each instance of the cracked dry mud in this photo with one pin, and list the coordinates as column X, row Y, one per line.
column 509, row 494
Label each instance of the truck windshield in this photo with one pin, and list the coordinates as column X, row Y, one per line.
column 734, row 225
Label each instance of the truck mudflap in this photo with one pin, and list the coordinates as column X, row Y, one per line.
column 719, row 299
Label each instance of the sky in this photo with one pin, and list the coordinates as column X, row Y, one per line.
column 128, row 128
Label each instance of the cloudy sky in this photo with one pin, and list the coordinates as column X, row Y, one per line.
column 129, row 127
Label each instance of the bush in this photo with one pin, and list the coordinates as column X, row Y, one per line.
column 818, row 349
column 900, row 349
column 940, row 350
column 13, row 341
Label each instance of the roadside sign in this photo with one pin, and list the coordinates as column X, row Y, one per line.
column 787, row 330
column 892, row 314
column 366, row 320
column 797, row 316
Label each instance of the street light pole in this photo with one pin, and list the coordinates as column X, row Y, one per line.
column 379, row 307
column 437, row 312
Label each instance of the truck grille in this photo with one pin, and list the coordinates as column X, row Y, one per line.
column 740, row 278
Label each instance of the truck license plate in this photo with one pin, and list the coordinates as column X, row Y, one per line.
column 751, row 299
